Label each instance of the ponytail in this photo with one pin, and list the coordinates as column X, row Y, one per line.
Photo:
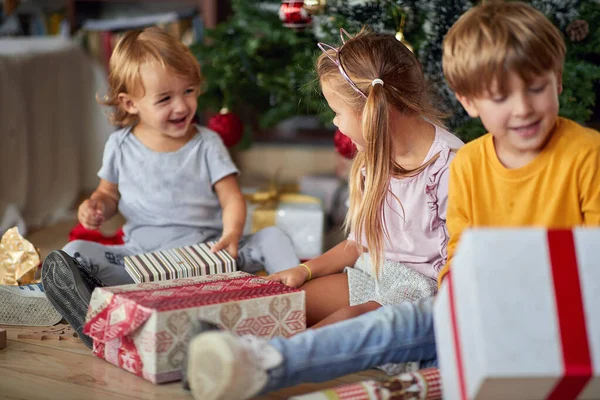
column 369, row 191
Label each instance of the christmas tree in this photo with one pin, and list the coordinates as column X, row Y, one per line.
column 441, row 16
column 264, row 71
column 255, row 66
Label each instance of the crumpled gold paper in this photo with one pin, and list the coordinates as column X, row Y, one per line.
column 19, row 259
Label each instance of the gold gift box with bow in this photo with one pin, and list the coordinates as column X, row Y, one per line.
column 268, row 200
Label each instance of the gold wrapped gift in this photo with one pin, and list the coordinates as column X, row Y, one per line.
column 300, row 216
column 267, row 201
column 19, row 259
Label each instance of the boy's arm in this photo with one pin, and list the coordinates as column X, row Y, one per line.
column 589, row 184
column 234, row 213
column 458, row 216
column 107, row 193
column 101, row 205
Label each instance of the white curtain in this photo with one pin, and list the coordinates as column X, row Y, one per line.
column 47, row 109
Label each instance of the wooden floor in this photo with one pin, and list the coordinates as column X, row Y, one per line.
column 32, row 369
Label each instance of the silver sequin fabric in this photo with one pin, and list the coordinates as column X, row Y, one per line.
column 396, row 283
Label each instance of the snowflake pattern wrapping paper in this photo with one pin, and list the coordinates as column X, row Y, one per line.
column 144, row 328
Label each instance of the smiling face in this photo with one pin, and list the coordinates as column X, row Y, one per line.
column 166, row 105
column 521, row 119
column 346, row 119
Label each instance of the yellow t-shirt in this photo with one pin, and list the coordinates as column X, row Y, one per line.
column 560, row 188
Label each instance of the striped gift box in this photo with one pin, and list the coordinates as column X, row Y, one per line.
column 180, row 262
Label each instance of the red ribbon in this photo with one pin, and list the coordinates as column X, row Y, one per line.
column 571, row 320
column 571, row 317
column 462, row 386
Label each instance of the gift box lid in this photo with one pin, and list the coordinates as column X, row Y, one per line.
column 119, row 310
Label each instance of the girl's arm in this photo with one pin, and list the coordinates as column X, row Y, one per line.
column 335, row 260
column 343, row 255
column 234, row 214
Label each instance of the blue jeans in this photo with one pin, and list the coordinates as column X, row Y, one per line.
column 390, row 334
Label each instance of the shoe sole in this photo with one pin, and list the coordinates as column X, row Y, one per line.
column 211, row 367
column 26, row 310
column 66, row 291
column 197, row 327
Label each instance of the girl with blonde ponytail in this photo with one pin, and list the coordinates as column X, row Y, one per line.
column 398, row 183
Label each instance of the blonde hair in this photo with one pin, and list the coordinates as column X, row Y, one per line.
column 365, row 57
column 135, row 49
column 495, row 38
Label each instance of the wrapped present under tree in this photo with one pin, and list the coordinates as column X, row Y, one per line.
column 144, row 328
column 300, row 216
column 180, row 262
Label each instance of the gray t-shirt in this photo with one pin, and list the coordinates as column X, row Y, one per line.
column 166, row 196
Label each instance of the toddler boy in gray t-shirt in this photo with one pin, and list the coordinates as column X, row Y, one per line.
column 168, row 200
column 172, row 180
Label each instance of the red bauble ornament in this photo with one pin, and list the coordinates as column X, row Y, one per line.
column 293, row 14
column 228, row 125
column 344, row 145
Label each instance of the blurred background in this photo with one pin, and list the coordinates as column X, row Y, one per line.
column 260, row 94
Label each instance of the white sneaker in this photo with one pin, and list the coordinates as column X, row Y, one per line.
column 222, row 366
column 26, row 305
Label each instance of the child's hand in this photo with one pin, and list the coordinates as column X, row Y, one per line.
column 228, row 242
column 293, row 277
column 91, row 214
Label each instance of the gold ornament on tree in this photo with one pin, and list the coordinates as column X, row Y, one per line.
column 314, row 6
column 400, row 33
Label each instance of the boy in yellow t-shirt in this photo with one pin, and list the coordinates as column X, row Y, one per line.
column 533, row 168
column 504, row 61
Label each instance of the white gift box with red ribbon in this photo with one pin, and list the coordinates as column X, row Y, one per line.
column 518, row 317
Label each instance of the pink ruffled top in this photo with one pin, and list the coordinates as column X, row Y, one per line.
column 417, row 227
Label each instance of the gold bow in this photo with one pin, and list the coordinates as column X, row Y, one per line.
column 267, row 201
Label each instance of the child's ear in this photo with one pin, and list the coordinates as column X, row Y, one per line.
column 128, row 103
column 559, row 85
column 468, row 105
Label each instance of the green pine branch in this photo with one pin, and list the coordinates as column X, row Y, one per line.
column 264, row 71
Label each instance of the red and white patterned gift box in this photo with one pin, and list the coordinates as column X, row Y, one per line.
column 144, row 328
column 423, row 384
column 517, row 317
